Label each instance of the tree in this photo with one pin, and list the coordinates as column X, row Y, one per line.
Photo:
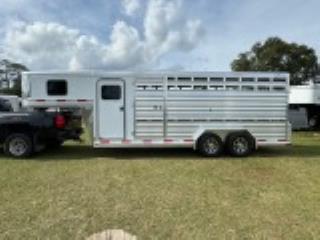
column 11, row 71
column 277, row 55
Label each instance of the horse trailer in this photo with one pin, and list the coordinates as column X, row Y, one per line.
column 211, row 112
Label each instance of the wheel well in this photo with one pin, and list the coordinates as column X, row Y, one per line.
column 9, row 129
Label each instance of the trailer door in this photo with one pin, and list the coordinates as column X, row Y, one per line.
column 110, row 109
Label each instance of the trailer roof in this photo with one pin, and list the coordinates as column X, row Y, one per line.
column 100, row 73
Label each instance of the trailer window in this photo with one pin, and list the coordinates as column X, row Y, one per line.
column 57, row 87
column 111, row 92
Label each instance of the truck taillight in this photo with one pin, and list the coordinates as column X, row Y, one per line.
column 60, row 121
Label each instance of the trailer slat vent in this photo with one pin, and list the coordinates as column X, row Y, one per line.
column 200, row 87
column 216, row 87
column 248, row 80
column 263, row 79
column 247, row 88
column 180, row 84
column 279, row 89
column 280, row 80
column 216, row 79
column 187, row 79
column 201, row 79
column 232, row 88
column 263, row 88
column 232, row 79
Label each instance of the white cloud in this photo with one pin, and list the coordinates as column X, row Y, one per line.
column 124, row 50
column 40, row 45
column 130, row 6
column 167, row 30
column 50, row 45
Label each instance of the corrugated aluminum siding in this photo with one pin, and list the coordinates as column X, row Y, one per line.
column 175, row 107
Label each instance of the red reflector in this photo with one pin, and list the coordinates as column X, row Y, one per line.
column 60, row 121
column 147, row 141
column 188, row 140
column 40, row 100
column 105, row 141
column 81, row 100
column 168, row 140
column 126, row 141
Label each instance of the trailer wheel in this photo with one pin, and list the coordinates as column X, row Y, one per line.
column 18, row 145
column 210, row 145
column 240, row 144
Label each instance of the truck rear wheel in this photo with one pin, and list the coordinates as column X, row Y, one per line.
column 18, row 145
column 210, row 145
column 313, row 122
column 240, row 144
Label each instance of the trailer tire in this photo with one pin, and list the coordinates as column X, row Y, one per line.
column 240, row 144
column 210, row 145
column 18, row 145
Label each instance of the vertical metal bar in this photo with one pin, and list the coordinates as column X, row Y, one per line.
column 124, row 103
column 135, row 108
column 164, row 107
column 287, row 85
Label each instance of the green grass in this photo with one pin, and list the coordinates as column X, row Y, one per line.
column 163, row 194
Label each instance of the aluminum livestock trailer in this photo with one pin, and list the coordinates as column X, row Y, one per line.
column 211, row 112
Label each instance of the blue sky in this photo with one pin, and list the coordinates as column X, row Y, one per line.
column 216, row 31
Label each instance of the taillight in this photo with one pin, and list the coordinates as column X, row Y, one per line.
column 60, row 121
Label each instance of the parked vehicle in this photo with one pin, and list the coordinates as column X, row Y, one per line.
column 304, row 106
column 211, row 112
column 23, row 133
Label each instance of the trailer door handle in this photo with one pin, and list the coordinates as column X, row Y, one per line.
column 122, row 108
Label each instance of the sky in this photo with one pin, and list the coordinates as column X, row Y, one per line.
column 191, row 35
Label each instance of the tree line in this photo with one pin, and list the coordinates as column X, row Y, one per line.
column 277, row 55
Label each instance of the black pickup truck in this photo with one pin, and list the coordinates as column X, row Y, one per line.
column 24, row 133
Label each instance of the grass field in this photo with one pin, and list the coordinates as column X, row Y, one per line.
column 163, row 194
